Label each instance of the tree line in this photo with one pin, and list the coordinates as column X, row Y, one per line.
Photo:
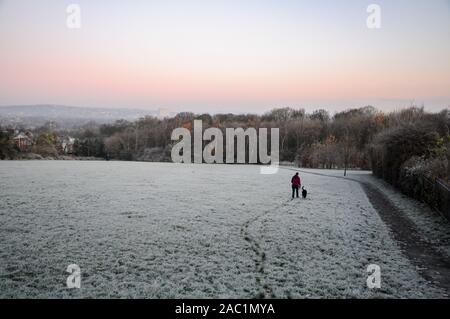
column 314, row 139
column 363, row 138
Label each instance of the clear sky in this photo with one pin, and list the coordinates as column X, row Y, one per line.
column 225, row 56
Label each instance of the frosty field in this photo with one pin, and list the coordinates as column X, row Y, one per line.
column 149, row 230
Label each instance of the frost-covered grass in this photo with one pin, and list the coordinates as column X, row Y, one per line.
column 147, row 230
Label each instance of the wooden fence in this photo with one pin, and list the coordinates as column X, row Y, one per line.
column 437, row 194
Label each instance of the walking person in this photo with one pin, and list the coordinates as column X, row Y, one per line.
column 295, row 181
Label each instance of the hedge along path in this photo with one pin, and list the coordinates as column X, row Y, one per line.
column 429, row 262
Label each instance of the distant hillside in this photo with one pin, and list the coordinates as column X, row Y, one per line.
column 36, row 115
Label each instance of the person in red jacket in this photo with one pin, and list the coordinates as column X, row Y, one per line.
column 295, row 181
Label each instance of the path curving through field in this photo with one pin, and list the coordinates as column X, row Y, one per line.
column 429, row 262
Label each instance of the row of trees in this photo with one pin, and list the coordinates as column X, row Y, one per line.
column 356, row 138
column 311, row 139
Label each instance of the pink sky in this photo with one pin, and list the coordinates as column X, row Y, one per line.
column 225, row 57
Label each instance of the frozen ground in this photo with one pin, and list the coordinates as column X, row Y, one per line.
column 191, row 231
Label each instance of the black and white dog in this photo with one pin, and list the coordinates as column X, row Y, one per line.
column 304, row 192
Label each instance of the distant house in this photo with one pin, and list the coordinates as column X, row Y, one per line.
column 163, row 113
column 23, row 141
column 67, row 143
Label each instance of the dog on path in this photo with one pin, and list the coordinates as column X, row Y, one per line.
column 304, row 192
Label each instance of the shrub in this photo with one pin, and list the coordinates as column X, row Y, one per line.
column 391, row 149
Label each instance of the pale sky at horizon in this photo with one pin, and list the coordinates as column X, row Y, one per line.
column 226, row 56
